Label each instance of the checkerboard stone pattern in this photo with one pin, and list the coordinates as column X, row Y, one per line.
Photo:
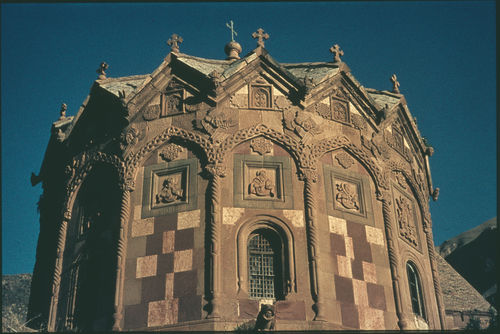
column 361, row 296
column 161, row 271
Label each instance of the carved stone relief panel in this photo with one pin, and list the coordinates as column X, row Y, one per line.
column 348, row 194
column 301, row 123
column 340, row 110
column 260, row 96
column 406, row 217
column 169, row 187
column 172, row 102
column 262, row 181
column 344, row 159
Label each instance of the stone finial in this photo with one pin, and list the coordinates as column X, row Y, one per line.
column 101, row 70
column 395, row 84
column 261, row 36
column 337, row 53
column 64, row 107
column 435, row 194
column 174, row 42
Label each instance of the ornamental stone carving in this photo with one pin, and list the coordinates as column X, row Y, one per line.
column 281, row 102
column 347, row 195
column 404, row 216
column 344, row 159
column 217, row 120
column 260, row 96
column 261, row 145
column 261, row 185
column 172, row 102
column 170, row 192
column 129, row 137
column 301, row 123
column 171, row 152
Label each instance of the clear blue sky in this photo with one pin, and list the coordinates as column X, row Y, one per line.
column 442, row 52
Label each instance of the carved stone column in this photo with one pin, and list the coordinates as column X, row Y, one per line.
column 217, row 172
column 127, row 188
column 435, row 275
column 393, row 259
column 56, row 282
column 309, row 177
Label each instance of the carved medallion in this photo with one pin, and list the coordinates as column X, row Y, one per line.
column 260, row 96
column 281, row 102
column 401, row 180
column 404, row 216
column 340, row 111
column 344, row 160
column 170, row 191
column 358, row 121
column 347, row 196
column 170, row 152
column 262, row 185
column 261, row 145
column 323, row 110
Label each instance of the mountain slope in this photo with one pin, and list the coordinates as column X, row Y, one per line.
column 473, row 254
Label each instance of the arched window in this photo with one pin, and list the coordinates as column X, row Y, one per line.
column 417, row 301
column 265, row 265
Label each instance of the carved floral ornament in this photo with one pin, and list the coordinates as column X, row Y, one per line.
column 347, row 196
column 300, row 122
column 170, row 152
column 261, row 145
column 344, row 159
column 404, row 217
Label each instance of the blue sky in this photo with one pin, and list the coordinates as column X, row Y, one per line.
column 444, row 54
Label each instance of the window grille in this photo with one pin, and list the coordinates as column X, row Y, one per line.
column 263, row 263
column 417, row 302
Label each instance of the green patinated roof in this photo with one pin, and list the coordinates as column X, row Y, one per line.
column 382, row 98
column 123, row 84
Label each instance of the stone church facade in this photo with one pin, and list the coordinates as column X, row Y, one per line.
column 199, row 194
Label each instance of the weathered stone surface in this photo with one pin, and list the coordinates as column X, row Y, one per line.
column 295, row 216
column 146, row 266
column 142, row 227
column 188, row 219
column 337, row 225
column 231, row 215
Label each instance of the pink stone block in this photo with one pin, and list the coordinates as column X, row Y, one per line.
column 169, row 286
column 168, row 242
column 370, row 318
column 369, row 272
column 344, row 265
column 146, row 266
column 183, row 260
column 360, row 293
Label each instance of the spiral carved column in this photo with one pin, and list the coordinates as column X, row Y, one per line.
column 56, row 282
column 217, row 172
column 309, row 177
column 121, row 255
column 435, row 275
column 393, row 260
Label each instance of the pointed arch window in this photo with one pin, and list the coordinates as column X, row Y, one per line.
column 416, row 295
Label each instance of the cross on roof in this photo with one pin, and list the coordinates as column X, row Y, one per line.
column 173, row 42
column 233, row 32
column 261, row 36
column 395, row 84
column 337, row 53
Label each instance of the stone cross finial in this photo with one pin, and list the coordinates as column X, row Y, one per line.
column 174, row 42
column 233, row 32
column 337, row 53
column 395, row 84
column 101, row 70
column 261, row 36
column 64, row 107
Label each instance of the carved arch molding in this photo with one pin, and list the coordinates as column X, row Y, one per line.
column 305, row 156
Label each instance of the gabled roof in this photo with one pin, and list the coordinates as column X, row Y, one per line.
column 123, row 84
column 458, row 294
column 383, row 97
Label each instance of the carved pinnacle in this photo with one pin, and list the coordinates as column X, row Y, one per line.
column 174, row 42
column 64, row 107
column 261, row 35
